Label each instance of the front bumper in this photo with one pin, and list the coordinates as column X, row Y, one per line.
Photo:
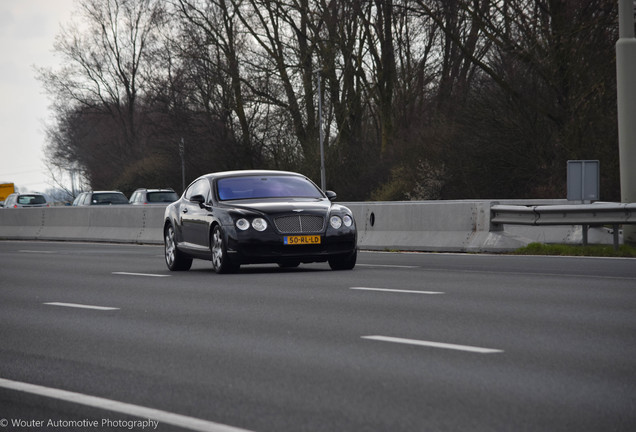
column 252, row 247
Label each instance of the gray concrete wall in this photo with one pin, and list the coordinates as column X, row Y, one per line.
column 433, row 225
column 125, row 224
column 455, row 226
column 440, row 226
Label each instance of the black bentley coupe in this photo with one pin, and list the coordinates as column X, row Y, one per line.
column 248, row 217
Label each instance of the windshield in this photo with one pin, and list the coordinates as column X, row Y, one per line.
column 31, row 199
column 234, row 188
column 109, row 198
column 162, row 197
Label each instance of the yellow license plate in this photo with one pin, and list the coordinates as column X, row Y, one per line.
column 301, row 240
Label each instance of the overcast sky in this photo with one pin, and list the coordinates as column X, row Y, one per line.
column 27, row 32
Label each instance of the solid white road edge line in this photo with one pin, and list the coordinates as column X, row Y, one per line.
column 434, row 344
column 182, row 421
column 140, row 274
column 395, row 290
column 81, row 306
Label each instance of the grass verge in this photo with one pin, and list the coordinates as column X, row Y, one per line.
column 624, row 251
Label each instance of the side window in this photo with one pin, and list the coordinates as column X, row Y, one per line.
column 200, row 187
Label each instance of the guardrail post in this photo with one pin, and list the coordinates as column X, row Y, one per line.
column 585, row 227
column 492, row 226
column 616, row 235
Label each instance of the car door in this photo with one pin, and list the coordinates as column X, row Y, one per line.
column 195, row 218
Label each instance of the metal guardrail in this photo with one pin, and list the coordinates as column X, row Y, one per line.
column 614, row 214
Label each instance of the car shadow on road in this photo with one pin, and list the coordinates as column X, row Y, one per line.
column 269, row 268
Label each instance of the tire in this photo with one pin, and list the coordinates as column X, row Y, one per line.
column 175, row 259
column 221, row 262
column 344, row 262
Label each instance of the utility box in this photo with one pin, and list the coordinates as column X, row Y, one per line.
column 583, row 180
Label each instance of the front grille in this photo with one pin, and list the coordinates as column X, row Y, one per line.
column 299, row 224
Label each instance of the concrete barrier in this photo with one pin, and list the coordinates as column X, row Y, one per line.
column 437, row 226
column 120, row 224
column 455, row 226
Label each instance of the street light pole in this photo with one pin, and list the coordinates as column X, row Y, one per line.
column 626, row 102
column 323, row 176
column 73, row 183
column 182, row 154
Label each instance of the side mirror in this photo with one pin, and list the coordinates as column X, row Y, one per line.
column 200, row 199
column 331, row 195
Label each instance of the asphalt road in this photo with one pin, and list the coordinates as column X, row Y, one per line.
column 404, row 342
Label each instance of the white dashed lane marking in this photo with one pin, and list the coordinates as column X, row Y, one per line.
column 140, row 274
column 430, row 344
column 391, row 290
column 81, row 306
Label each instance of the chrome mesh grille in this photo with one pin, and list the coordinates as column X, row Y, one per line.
column 299, row 224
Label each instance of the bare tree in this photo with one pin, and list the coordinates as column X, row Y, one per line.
column 544, row 70
column 421, row 99
column 108, row 63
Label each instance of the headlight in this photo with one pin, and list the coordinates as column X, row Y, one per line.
column 347, row 220
column 259, row 224
column 242, row 224
column 335, row 222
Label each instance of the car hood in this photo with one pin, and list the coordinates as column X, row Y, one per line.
column 272, row 207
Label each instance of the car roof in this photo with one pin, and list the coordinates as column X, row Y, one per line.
column 239, row 173
column 155, row 190
column 28, row 193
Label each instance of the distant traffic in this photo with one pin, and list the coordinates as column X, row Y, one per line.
column 142, row 196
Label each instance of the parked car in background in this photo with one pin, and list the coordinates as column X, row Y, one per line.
column 35, row 199
column 145, row 196
column 100, row 198
column 247, row 217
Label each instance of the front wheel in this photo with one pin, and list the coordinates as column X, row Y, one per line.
column 221, row 262
column 344, row 262
column 175, row 259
